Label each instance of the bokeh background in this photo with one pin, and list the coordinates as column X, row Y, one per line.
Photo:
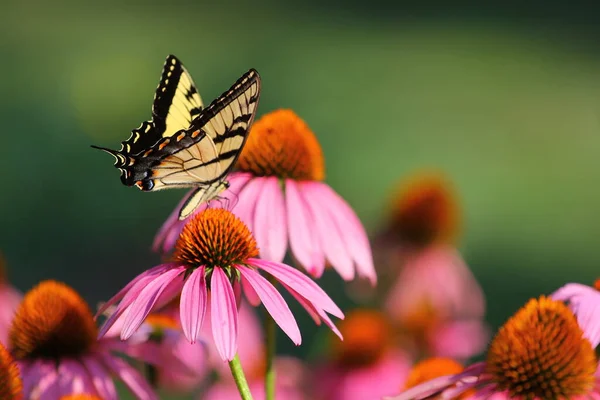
column 504, row 100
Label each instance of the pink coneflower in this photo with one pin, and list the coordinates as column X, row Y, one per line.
column 291, row 383
column 367, row 364
column 539, row 353
column 280, row 195
column 53, row 339
column 10, row 298
column 435, row 298
column 584, row 301
column 214, row 262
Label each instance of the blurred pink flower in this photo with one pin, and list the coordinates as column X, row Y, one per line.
column 53, row 339
column 280, row 196
column 173, row 362
column 213, row 265
column 584, row 301
column 439, row 304
column 10, row 298
column 290, row 383
column 366, row 365
column 539, row 353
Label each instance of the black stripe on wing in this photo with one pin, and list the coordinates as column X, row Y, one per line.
column 167, row 115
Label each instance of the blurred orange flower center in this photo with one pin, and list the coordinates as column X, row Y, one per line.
column 81, row 397
column 11, row 386
column 214, row 238
column 367, row 335
column 161, row 321
column 431, row 368
column 53, row 321
column 597, row 284
column 281, row 144
column 540, row 352
column 425, row 212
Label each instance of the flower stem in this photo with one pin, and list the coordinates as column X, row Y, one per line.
column 271, row 332
column 240, row 379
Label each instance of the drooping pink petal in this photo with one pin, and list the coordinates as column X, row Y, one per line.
column 459, row 339
column 73, row 378
column 350, row 227
column 302, row 284
column 274, row 303
column 237, row 182
column 129, row 298
column 130, row 376
column 572, row 291
column 32, row 374
column 146, row 352
column 145, row 301
column 123, row 292
column 247, row 199
column 303, row 241
column 47, row 387
column 250, row 293
column 269, row 224
column 224, row 315
column 193, row 304
column 329, row 235
column 588, row 316
column 100, row 378
column 237, row 292
column 316, row 313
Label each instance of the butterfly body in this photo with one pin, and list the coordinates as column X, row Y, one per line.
column 186, row 145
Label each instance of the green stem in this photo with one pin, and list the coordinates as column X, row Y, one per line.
column 240, row 379
column 271, row 332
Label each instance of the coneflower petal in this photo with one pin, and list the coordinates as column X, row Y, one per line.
column 73, row 378
column 274, row 303
column 192, row 306
column 130, row 376
column 331, row 238
column 270, row 228
column 350, row 227
column 101, row 379
column 247, row 199
column 250, row 293
column 303, row 243
column 302, row 284
column 145, row 301
column 316, row 314
column 224, row 315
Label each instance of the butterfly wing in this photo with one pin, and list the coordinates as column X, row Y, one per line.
column 176, row 103
column 203, row 154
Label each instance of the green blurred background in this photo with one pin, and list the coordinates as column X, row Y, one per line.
column 505, row 100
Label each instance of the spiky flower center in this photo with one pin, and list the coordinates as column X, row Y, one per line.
column 53, row 321
column 425, row 211
column 431, row 368
column 367, row 335
column 597, row 284
column 540, row 353
column 11, row 386
column 281, row 144
column 214, row 238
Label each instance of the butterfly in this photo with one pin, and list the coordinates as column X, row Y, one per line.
column 185, row 144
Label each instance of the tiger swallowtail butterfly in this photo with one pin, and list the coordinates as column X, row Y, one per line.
column 185, row 144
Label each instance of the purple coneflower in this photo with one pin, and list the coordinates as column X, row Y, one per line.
column 213, row 264
column 367, row 364
column 540, row 353
column 53, row 339
column 280, row 195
